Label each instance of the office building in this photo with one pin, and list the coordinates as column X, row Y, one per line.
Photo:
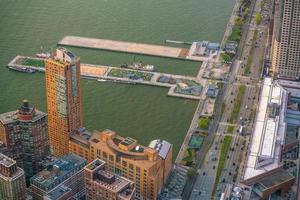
column 286, row 39
column 24, row 134
column 102, row 184
column 148, row 167
column 63, row 178
column 12, row 180
column 63, row 98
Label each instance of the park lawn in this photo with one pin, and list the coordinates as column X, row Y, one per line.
column 189, row 157
column 236, row 34
column 250, row 57
column 230, row 129
column 34, row 62
column 237, row 104
column 204, row 123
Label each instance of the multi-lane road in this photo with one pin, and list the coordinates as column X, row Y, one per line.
column 204, row 185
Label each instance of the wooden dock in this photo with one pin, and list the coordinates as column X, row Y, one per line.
column 128, row 47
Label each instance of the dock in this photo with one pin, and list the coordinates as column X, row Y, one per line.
column 129, row 47
column 96, row 72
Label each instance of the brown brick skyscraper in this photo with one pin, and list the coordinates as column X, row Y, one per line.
column 63, row 98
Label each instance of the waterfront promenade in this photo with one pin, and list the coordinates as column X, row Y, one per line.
column 99, row 72
column 129, row 47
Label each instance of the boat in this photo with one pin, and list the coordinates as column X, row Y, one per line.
column 101, row 80
column 139, row 66
column 22, row 69
column 43, row 55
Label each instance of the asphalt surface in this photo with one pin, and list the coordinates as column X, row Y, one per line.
column 234, row 164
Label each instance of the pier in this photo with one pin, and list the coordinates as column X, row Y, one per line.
column 130, row 47
column 98, row 72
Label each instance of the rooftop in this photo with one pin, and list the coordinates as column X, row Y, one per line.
column 6, row 161
column 58, row 171
column 163, row 147
column 269, row 130
column 24, row 113
column 58, row 192
column 81, row 135
column 109, row 180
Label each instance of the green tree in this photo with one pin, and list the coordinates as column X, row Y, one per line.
column 191, row 172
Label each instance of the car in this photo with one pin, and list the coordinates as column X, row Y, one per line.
column 199, row 193
column 223, row 181
column 214, row 167
column 233, row 164
column 203, row 173
column 229, row 173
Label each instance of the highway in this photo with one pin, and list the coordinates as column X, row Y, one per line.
column 233, row 168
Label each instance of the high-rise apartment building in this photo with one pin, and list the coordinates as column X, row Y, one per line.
column 286, row 39
column 63, row 98
column 24, row 134
column 12, row 180
column 62, row 179
column 148, row 167
column 102, row 184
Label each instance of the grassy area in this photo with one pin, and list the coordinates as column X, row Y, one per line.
column 130, row 74
column 34, row 62
column 227, row 57
column 250, row 57
column 230, row 129
column 262, row 4
column 224, row 150
column 204, row 123
column 189, row 157
column 191, row 172
column 237, row 104
column 223, row 107
column 258, row 18
column 236, row 34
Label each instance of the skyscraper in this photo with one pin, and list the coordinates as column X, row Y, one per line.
column 286, row 39
column 12, row 179
column 24, row 134
column 63, row 98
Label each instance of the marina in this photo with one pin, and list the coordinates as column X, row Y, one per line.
column 132, row 47
column 179, row 86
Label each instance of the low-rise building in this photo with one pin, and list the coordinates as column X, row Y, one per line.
column 12, row 180
column 61, row 179
column 101, row 184
column 263, row 169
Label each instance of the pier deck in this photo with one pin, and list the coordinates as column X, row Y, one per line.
column 96, row 72
column 128, row 47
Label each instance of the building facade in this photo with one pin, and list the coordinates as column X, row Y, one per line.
column 286, row 39
column 102, row 184
column 12, row 180
column 63, row 98
column 61, row 179
column 24, row 134
column 148, row 167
